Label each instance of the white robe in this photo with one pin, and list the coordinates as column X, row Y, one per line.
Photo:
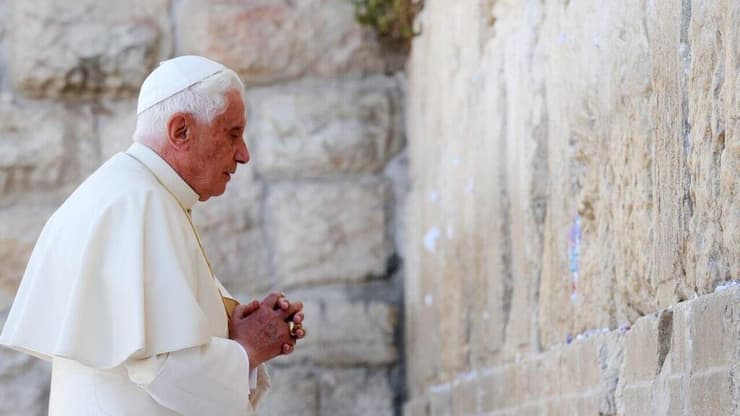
column 120, row 297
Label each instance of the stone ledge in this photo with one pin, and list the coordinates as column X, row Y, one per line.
column 607, row 373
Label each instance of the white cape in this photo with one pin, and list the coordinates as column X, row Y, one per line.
column 116, row 273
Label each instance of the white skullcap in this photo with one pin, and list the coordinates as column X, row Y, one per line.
column 173, row 76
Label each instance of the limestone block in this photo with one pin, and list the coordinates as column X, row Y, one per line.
column 454, row 169
column 44, row 147
column 251, row 38
column 648, row 354
column 465, row 396
column 599, row 150
column 294, row 391
column 530, row 383
column 715, row 330
column 342, row 333
column 421, row 340
column 502, row 313
column 681, row 341
column 85, row 47
column 3, row 19
column 234, row 240
column 522, row 162
column 641, row 351
column 668, row 115
column 116, row 125
column 580, row 366
column 440, row 401
column 25, row 387
column 714, row 157
column 328, row 232
column 318, row 128
column 561, row 406
column 20, row 226
column 711, row 394
column 418, row 406
column 3, row 29
column 491, row 386
column 356, row 391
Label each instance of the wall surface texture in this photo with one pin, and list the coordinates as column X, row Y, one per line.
column 314, row 214
column 573, row 225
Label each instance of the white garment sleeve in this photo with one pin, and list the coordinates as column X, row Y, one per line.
column 213, row 379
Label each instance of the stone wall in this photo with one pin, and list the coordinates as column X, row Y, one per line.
column 314, row 214
column 574, row 206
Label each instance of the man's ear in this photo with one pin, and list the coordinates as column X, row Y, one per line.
column 179, row 130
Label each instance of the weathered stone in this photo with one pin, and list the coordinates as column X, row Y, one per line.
column 231, row 228
column 455, row 288
column 328, row 232
column 668, row 112
column 342, row 333
column 491, row 385
column 621, row 134
column 318, row 128
column 465, row 397
column 44, row 147
column 418, row 406
column 711, row 394
column 84, row 47
column 715, row 331
column 369, row 389
column 440, row 400
column 3, row 30
column 641, row 352
column 20, row 226
column 24, row 382
column 116, row 125
column 294, row 391
column 713, row 37
column 251, row 37
column 397, row 173
column 493, row 299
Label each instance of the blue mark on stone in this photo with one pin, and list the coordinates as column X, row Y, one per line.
column 574, row 255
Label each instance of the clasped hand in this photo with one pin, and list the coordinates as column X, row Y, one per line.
column 263, row 329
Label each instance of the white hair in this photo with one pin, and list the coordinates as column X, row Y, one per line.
column 204, row 100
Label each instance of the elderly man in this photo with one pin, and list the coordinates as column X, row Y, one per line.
column 119, row 294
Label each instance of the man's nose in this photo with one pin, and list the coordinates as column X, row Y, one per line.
column 242, row 153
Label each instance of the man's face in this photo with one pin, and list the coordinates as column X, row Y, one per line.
column 217, row 149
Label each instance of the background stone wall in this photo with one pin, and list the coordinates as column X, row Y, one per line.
column 574, row 228
column 314, row 214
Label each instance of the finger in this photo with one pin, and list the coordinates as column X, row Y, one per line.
column 294, row 308
column 287, row 348
column 298, row 318
column 248, row 309
column 299, row 333
column 272, row 299
column 283, row 303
